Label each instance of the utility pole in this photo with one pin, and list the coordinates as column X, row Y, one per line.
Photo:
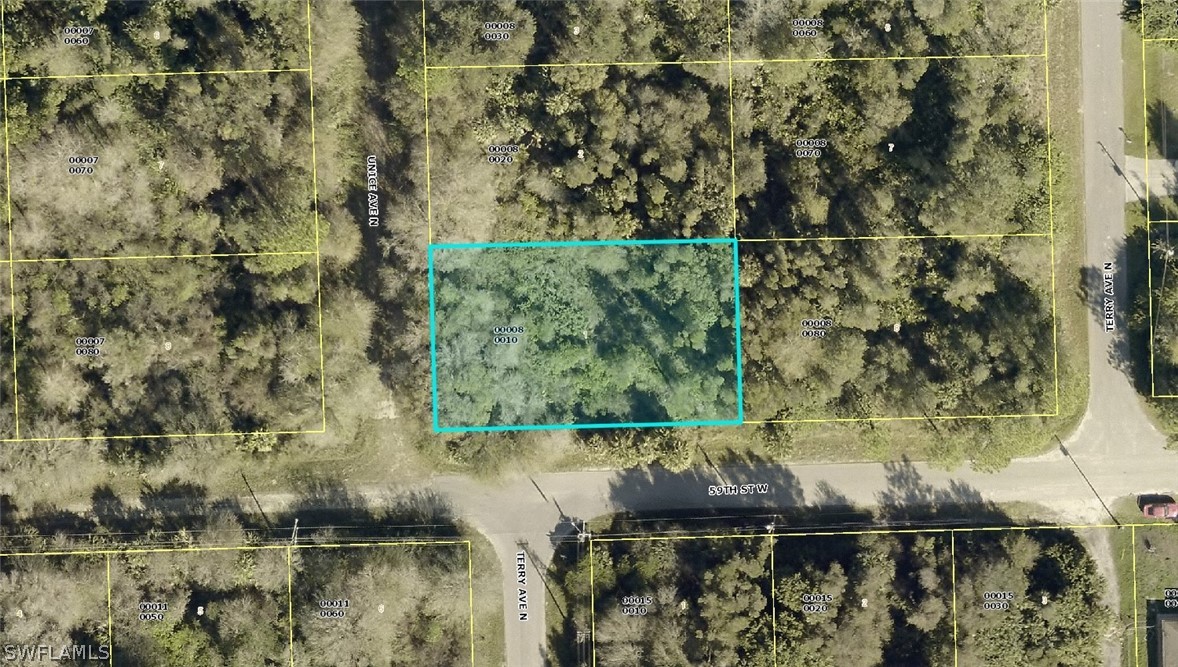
column 1086, row 480
column 260, row 510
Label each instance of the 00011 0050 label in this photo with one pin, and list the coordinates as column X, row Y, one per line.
column 152, row 611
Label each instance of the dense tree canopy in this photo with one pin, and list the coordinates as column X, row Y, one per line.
column 220, row 164
column 918, row 327
column 609, row 334
column 167, row 36
column 839, row 600
column 181, row 165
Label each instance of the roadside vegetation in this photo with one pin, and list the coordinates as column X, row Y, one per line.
column 1157, row 17
column 1152, row 248
column 613, row 152
column 1028, row 598
column 202, row 582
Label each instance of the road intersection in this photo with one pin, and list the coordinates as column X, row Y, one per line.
column 1115, row 446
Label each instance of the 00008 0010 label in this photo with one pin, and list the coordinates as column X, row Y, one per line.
column 506, row 335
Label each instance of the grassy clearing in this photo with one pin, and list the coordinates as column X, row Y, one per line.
column 1068, row 204
column 1132, row 66
column 1156, row 550
column 1156, row 97
column 489, row 642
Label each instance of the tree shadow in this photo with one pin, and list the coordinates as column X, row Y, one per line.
column 1094, row 290
column 328, row 510
column 737, row 483
column 909, row 499
column 1163, row 129
column 175, row 505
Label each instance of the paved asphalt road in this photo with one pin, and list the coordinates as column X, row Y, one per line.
column 1115, row 445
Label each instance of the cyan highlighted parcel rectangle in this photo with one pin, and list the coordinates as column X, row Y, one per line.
column 585, row 334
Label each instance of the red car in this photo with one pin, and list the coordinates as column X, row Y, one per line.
column 1160, row 510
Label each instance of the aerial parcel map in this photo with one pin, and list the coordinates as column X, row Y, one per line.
column 589, row 333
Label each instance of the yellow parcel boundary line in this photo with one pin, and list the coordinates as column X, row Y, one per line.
column 287, row 548
column 730, row 61
column 110, row 625
column 740, row 61
column 953, row 579
column 731, row 124
column 315, row 206
column 470, row 595
column 897, row 237
column 429, row 210
column 8, row 213
column 12, row 261
column 773, row 536
column 416, row 542
column 120, row 258
column 874, row 531
column 592, row 603
column 210, row 255
column 158, row 436
column 1051, row 200
column 1148, row 251
column 127, row 75
column 289, row 605
column 1136, row 623
column 773, row 589
column 836, row 420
